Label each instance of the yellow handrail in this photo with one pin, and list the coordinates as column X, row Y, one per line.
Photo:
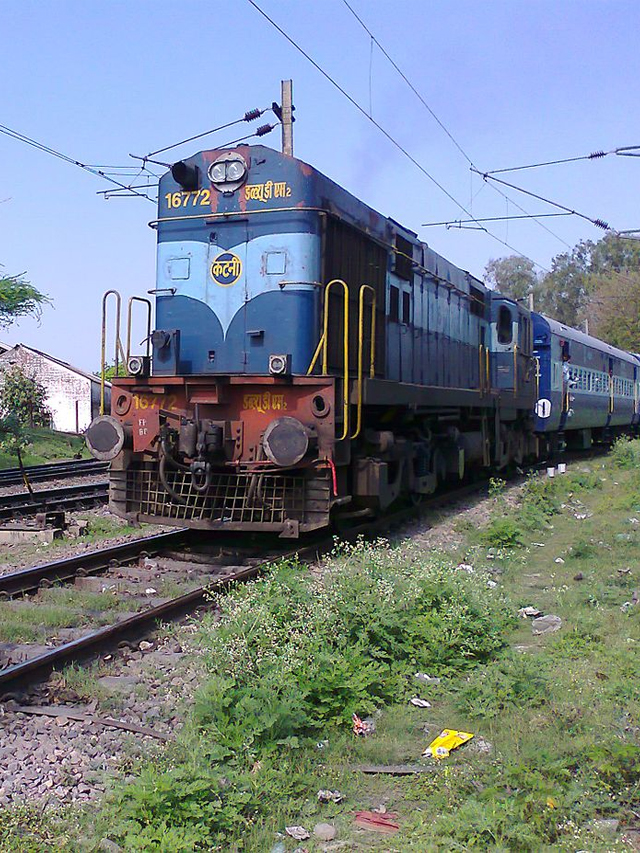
column 372, row 349
column 487, row 367
column 515, row 369
column 323, row 347
column 146, row 302
column 119, row 352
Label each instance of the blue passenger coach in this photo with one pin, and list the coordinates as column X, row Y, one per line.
column 587, row 389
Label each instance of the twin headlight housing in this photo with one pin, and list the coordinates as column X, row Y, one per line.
column 228, row 172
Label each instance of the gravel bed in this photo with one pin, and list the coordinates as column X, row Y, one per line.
column 442, row 528
column 57, row 760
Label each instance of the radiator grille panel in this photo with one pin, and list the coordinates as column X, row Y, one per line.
column 234, row 498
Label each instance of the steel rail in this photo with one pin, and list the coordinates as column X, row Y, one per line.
column 37, row 667
column 68, row 496
column 90, row 562
column 53, row 471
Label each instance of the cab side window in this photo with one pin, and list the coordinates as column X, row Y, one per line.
column 505, row 330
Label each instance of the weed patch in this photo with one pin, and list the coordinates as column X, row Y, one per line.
column 292, row 657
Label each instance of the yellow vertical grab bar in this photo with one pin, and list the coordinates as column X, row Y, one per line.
column 345, row 347
column 118, row 344
column 515, row 369
column 323, row 347
column 372, row 349
column 146, row 302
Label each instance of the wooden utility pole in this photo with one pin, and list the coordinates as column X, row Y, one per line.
column 531, row 302
column 287, row 117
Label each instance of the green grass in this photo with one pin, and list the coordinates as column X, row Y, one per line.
column 46, row 445
column 556, row 717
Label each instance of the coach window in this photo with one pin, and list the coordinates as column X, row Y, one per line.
column 505, row 330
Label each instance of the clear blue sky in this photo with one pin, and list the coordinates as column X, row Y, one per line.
column 514, row 82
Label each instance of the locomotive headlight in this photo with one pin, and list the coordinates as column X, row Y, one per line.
column 280, row 365
column 285, row 441
column 235, row 170
column 228, row 172
column 217, row 173
column 138, row 365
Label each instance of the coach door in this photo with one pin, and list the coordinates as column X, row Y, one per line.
column 504, row 343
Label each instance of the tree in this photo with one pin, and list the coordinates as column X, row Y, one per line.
column 19, row 298
column 567, row 292
column 513, row 276
column 13, row 439
column 614, row 309
column 563, row 292
column 23, row 397
column 110, row 371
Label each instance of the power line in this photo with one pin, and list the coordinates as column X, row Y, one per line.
column 250, row 115
column 376, row 124
column 407, row 81
column 457, row 222
column 599, row 223
column 627, row 151
column 444, row 128
column 27, row 140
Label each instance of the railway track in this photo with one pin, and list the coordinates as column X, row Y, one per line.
column 220, row 567
column 26, row 504
column 53, row 471
column 189, row 548
column 213, row 571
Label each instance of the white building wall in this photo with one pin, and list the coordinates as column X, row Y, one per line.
column 68, row 392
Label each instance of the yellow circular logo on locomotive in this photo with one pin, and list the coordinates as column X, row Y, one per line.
column 226, row 269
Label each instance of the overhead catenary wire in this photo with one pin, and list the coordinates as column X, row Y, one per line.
column 27, row 140
column 377, row 124
column 446, row 129
column 627, row 151
column 250, row 115
column 599, row 223
column 261, row 131
column 456, row 222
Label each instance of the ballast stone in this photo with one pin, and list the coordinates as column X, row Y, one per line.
column 546, row 624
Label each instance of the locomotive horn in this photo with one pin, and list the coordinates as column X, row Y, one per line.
column 187, row 176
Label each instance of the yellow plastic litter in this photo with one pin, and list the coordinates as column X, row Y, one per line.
column 447, row 740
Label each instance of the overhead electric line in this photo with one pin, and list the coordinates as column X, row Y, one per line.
column 456, row 222
column 599, row 223
column 377, row 124
column 27, row 140
column 627, row 151
column 250, row 115
column 443, row 126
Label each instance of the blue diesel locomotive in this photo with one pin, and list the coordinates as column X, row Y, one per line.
column 312, row 357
